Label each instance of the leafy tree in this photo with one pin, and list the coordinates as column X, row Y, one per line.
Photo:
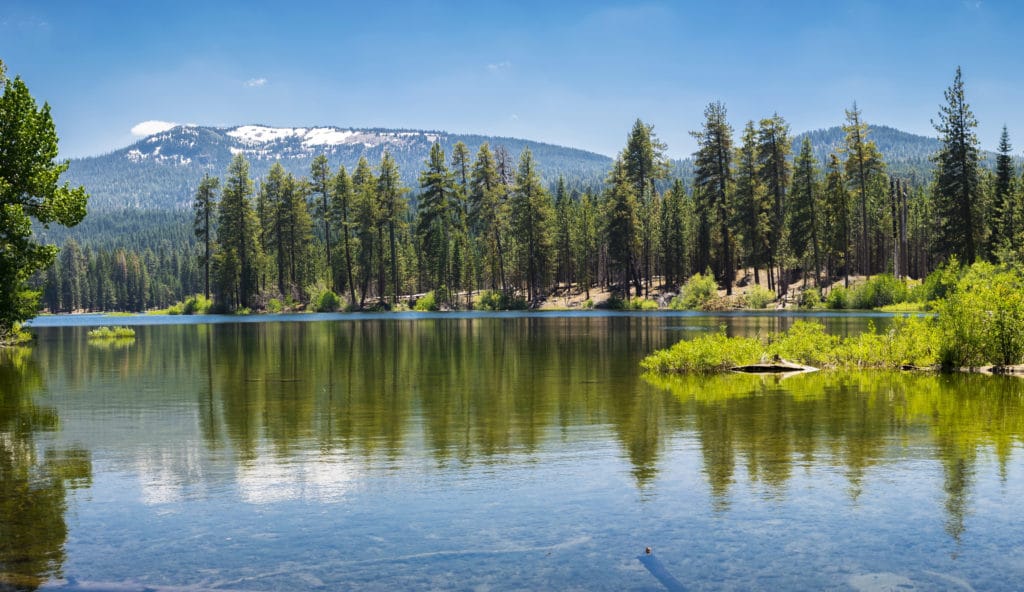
column 204, row 208
column 29, row 191
column 713, row 178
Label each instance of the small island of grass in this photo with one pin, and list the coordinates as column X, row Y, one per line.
column 103, row 333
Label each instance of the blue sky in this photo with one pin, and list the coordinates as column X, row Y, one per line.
column 571, row 73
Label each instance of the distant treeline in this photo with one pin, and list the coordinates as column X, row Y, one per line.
column 486, row 222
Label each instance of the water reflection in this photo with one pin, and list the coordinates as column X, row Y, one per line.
column 33, row 479
column 265, row 413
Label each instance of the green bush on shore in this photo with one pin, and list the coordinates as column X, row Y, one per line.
column 697, row 293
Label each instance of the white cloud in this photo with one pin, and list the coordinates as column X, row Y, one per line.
column 256, row 82
column 498, row 67
column 153, row 126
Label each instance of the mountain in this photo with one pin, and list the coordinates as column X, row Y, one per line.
column 161, row 171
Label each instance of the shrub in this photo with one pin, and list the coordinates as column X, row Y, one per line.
column 838, row 298
column 759, row 297
column 326, row 301
column 810, row 298
column 697, row 292
column 274, row 306
column 197, row 304
column 426, row 303
column 880, row 290
column 588, row 304
column 641, row 304
column 805, row 342
column 982, row 320
column 488, row 300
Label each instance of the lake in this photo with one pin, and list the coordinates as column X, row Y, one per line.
column 491, row 452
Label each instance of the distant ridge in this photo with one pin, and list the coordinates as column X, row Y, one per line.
column 161, row 171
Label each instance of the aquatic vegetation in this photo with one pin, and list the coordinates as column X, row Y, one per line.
column 112, row 333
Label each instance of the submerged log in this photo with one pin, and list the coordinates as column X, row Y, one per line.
column 775, row 366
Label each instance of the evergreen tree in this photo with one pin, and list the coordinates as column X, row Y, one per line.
column 673, row 229
column 367, row 221
column 644, row 162
column 237, row 240
column 204, row 208
column 1002, row 227
column 322, row 182
column 532, row 217
column 342, row 199
column 437, row 217
column 957, row 177
column 488, row 215
column 836, row 220
column 563, row 233
column 773, row 148
column 713, row 178
column 584, row 240
column 865, row 172
column 392, row 208
column 622, row 228
column 804, row 209
column 29, row 191
column 753, row 204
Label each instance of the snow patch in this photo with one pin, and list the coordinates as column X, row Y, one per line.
column 327, row 136
column 258, row 134
column 135, row 155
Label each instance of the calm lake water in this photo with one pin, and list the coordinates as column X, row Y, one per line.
column 501, row 452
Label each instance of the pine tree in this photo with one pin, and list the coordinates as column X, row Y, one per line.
column 1002, row 227
column 865, row 171
column 563, row 233
column 367, row 220
column 532, row 217
column 391, row 197
column 753, row 204
column 644, row 162
column 773, row 148
column 584, row 240
column 713, row 178
column 836, row 219
column 622, row 227
column 488, row 215
column 804, row 209
column 322, row 183
column 437, row 217
column 673, row 239
column 957, row 177
column 342, row 199
column 204, row 208
column 237, row 239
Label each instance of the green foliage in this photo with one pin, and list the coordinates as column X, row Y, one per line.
column 197, row 304
column 641, row 304
column 982, row 321
column 326, row 301
column 806, row 343
column 698, row 292
column 274, row 306
column 880, row 290
column 29, row 191
column 495, row 300
column 758, row 297
column 426, row 303
column 112, row 333
column 705, row 354
column 838, row 298
column 810, row 298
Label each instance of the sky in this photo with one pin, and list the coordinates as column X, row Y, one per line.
column 570, row 73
